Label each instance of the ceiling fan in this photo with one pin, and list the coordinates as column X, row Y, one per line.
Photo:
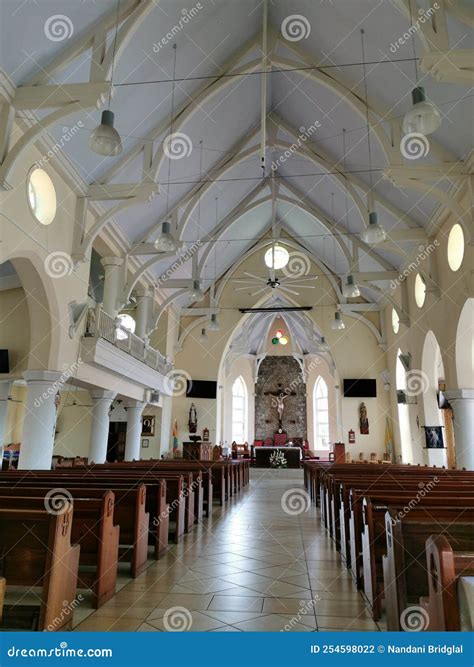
column 271, row 261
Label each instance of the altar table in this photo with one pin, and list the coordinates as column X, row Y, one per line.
column 262, row 454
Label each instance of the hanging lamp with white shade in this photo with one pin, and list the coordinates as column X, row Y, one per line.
column 423, row 117
column 214, row 323
column 196, row 292
column 374, row 233
column 165, row 241
column 337, row 324
column 105, row 140
column 350, row 289
column 203, row 338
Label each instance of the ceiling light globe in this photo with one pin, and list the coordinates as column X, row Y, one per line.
column 374, row 233
column 277, row 257
column 337, row 324
column 105, row 140
column 196, row 292
column 165, row 241
column 283, row 340
column 214, row 323
column 350, row 289
column 124, row 325
column 423, row 117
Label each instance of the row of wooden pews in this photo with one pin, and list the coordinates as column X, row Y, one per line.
column 67, row 529
column 387, row 521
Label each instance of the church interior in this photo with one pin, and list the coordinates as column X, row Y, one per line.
column 237, row 315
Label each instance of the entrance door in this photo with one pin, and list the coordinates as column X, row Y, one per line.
column 116, row 441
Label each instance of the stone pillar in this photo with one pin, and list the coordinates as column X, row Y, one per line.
column 112, row 284
column 5, row 388
column 102, row 400
column 166, row 427
column 462, row 402
column 144, row 303
column 134, row 430
column 39, row 424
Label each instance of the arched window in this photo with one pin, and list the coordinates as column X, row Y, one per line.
column 321, row 414
column 239, row 411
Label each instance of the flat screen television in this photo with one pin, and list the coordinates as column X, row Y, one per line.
column 201, row 389
column 4, row 363
column 360, row 388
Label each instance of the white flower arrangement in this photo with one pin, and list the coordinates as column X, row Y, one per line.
column 277, row 460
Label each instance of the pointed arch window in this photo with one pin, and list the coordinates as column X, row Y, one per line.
column 239, row 411
column 321, row 414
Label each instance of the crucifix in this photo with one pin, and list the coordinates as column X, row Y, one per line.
column 279, row 402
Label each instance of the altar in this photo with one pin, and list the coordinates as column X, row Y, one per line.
column 293, row 455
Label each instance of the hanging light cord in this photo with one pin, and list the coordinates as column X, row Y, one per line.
column 413, row 41
column 171, row 132
column 362, row 32
column 113, row 51
column 199, row 200
column 345, row 183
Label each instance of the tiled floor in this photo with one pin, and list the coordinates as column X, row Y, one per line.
column 260, row 564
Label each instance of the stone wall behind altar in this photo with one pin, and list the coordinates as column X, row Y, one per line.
column 277, row 374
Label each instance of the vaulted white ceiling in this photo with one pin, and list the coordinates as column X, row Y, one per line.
column 316, row 81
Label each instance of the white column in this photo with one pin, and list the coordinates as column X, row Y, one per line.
column 39, row 423
column 144, row 303
column 462, row 402
column 102, row 400
column 166, row 417
column 134, row 430
column 112, row 282
column 5, row 388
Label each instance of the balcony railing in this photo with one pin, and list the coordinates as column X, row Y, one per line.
column 102, row 325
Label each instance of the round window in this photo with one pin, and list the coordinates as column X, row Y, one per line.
column 41, row 196
column 395, row 321
column 420, row 291
column 455, row 247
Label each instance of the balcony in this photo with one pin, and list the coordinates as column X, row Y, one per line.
column 131, row 357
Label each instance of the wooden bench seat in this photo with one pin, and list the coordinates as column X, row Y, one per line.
column 36, row 551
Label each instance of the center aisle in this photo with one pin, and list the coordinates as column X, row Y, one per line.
column 262, row 563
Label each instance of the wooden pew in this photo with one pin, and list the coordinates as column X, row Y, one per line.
column 404, row 570
column 444, row 567
column 35, row 551
column 128, row 512
column 93, row 529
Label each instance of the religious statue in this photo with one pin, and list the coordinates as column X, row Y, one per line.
column 278, row 402
column 192, row 420
column 280, row 406
column 363, row 420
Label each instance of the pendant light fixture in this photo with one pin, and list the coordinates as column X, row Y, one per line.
column 374, row 233
column 165, row 241
column 214, row 323
column 424, row 117
column 337, row 324
column 323, row 345
column 350, row 289
column 105, row 140
column 203, row 338
column 196, row 292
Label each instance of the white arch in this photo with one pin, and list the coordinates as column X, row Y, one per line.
column 465, row 346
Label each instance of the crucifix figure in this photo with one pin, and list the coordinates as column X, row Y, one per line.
column 278, row 402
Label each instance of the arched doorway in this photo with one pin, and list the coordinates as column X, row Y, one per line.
column 432, row 376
